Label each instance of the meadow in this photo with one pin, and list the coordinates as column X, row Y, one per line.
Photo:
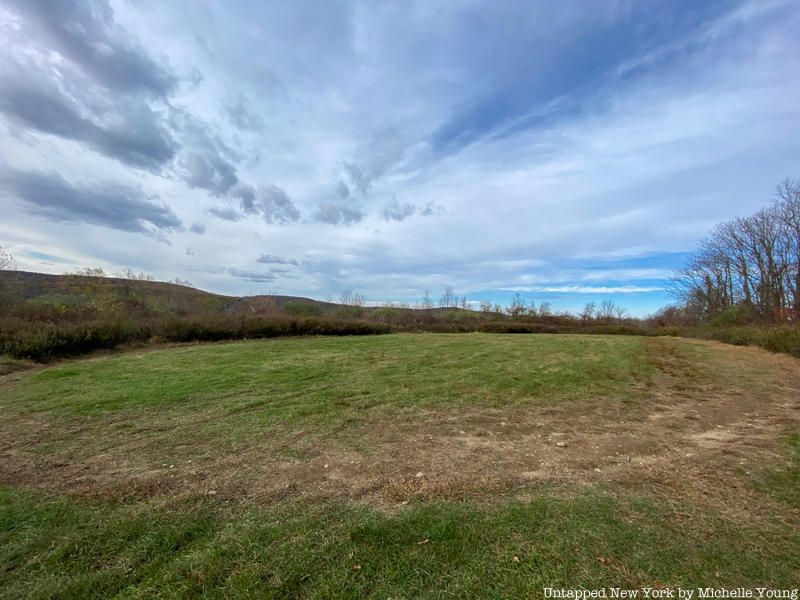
column 400, row 465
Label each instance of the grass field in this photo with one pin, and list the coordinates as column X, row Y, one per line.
column 400, row 466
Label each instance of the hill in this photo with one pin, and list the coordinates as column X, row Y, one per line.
column 79, row 294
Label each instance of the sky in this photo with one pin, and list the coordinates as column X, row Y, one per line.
column 571, row 152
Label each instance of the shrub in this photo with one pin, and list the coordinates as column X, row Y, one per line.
column 784, row 339
column 298, row 308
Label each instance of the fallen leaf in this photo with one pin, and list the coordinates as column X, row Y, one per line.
column 356, row 567
column 425, row 541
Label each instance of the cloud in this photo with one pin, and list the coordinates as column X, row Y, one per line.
column 209, row 171
column 360, row 180
column 85, row 32
column 394, row 211
column 227, row 214
column 431, row 209
column 588, row 289
column 334, row 214
column 271, row 259
column 241, row 116
column 133, row 137
column 108, row 204
column 274, row 205
column 253, row 276
column 198, row 228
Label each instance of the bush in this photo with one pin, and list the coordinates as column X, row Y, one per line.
column 512, row 327
column 786, row 340
column 298, row 308
column 44, row 341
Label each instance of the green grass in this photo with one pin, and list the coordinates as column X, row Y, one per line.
column 52, row 547
column 291, row 397
column 233, row 394
column 783, row 482
column 299, row 378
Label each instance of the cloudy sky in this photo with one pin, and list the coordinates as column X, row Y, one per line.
column 571, row 151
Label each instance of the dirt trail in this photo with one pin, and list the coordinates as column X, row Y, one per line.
column 693, row 431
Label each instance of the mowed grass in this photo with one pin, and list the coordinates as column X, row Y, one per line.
column 304, row 378
column 226, row 399
column 54, row 547
column 232, row 394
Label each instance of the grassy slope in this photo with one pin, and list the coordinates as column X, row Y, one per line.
column 51, row 545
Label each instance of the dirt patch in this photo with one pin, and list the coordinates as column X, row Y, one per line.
column 709, row 414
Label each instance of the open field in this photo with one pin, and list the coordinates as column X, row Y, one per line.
column 401, row 466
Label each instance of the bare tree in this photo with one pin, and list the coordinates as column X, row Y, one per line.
column 607, row 310
column 448, row 298
column 464, row 303
column 129, row 273
column 750, row 264
column 179, row 281
column 350, row 298
column 587, row 314
column 89, row 272
column 545, row 309
column 426, row 302
column 7, row 262
column 517, row 307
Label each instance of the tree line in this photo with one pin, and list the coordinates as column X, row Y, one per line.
column 747, row 265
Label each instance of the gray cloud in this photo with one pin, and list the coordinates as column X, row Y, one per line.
column 198, row 228
column 335, row 214
column 431, row 209
column 85, row 33
column 108, row 204
column 394, row 211
column 247, row 195
column 254, row 276
column 270, row 259
column 343, row 190
column 241, row 116
column 207, row 162
column 360, row 180
column 227, row 214
column 274, row 205
column 209, row 171
column 135, row 137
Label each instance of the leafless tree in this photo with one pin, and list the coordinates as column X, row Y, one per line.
column 464, row 304
column 545, row 309
column 89, row 272
column 129, row 273
column 7, row 262
column 427, row 303
column 748, row 263
column 588, row 312
column 448, row 298
column 350, row 298
column 607, row 310
column 179, row 281
column 517, row 307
